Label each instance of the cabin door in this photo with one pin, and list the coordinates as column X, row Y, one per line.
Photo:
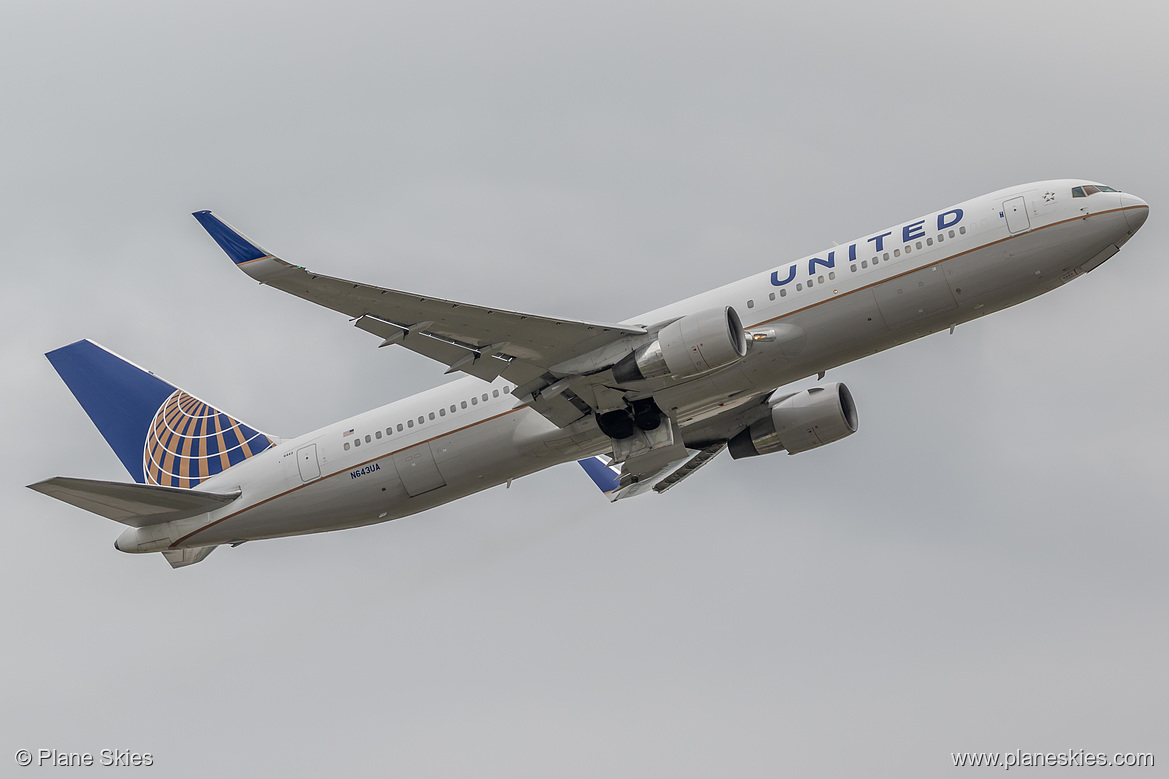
column 306, row 460
column 1015, row 210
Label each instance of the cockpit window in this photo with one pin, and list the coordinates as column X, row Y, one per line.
column 1090, row 189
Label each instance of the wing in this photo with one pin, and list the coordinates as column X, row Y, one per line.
column 479, row 341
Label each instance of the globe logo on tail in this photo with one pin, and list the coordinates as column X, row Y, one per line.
column 189, row 441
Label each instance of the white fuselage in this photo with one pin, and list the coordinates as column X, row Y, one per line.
column 825, row 310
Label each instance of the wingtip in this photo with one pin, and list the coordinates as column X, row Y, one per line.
column 237, row 246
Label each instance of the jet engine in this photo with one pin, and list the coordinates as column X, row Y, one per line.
column 694, row 344
column 800, row 422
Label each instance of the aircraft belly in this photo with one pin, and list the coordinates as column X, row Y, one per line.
column 1013, row 270
column 486, row 455
column 327, row 504
column 417, row 469
column 399, row 484
column 914, row 296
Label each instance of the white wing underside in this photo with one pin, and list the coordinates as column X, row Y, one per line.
column 632, row 478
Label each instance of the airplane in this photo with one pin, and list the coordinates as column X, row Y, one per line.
column 640, row 404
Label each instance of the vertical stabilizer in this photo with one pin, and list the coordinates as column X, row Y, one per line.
column 161, row 434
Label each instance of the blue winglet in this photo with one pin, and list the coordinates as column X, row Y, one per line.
column 238, row 248
column 603, row 475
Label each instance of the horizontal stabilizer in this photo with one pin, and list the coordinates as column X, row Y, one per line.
column 181, row 558
column 136, row 505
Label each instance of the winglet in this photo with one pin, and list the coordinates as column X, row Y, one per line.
column 238, row 247
column 607, row 477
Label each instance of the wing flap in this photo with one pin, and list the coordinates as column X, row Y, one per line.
column 688, row 467
column 136, row 505
column 484, row 362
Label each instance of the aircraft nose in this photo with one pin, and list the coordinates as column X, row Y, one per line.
column 1136, row 211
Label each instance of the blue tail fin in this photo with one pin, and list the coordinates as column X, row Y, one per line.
column 160, row 433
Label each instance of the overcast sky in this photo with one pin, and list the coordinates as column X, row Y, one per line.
column 981, row 567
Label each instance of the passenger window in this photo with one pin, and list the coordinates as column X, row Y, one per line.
column 941, row 237
column 908, row 248
column 421, row 420
column 951, row 233
column 852, row 268
column 484, row 397
column 819, row 279
column 875, row 259
column 929, row 241
column 962, row 230
column 884, row 257
column 464, row 404
column 771, row 296
column 799, row 287
column 399, row 427
column 453, row 409
column 918, row 244
column 409, row 423
column 442, row 412
column 431, row 416
column 357, row 442
column 783, row 293
column 831, row 275
column 367, row 439
column 474, row 401
column 865, row 263
column 896, row 252
column 495, row 393
column 346, row 446
column 377, row 434
column 750, row 304
column 389, row 431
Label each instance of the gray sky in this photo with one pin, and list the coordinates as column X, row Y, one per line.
column 982, row 567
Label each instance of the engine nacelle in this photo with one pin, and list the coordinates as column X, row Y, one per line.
column 694, row 344
column 800, row 422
